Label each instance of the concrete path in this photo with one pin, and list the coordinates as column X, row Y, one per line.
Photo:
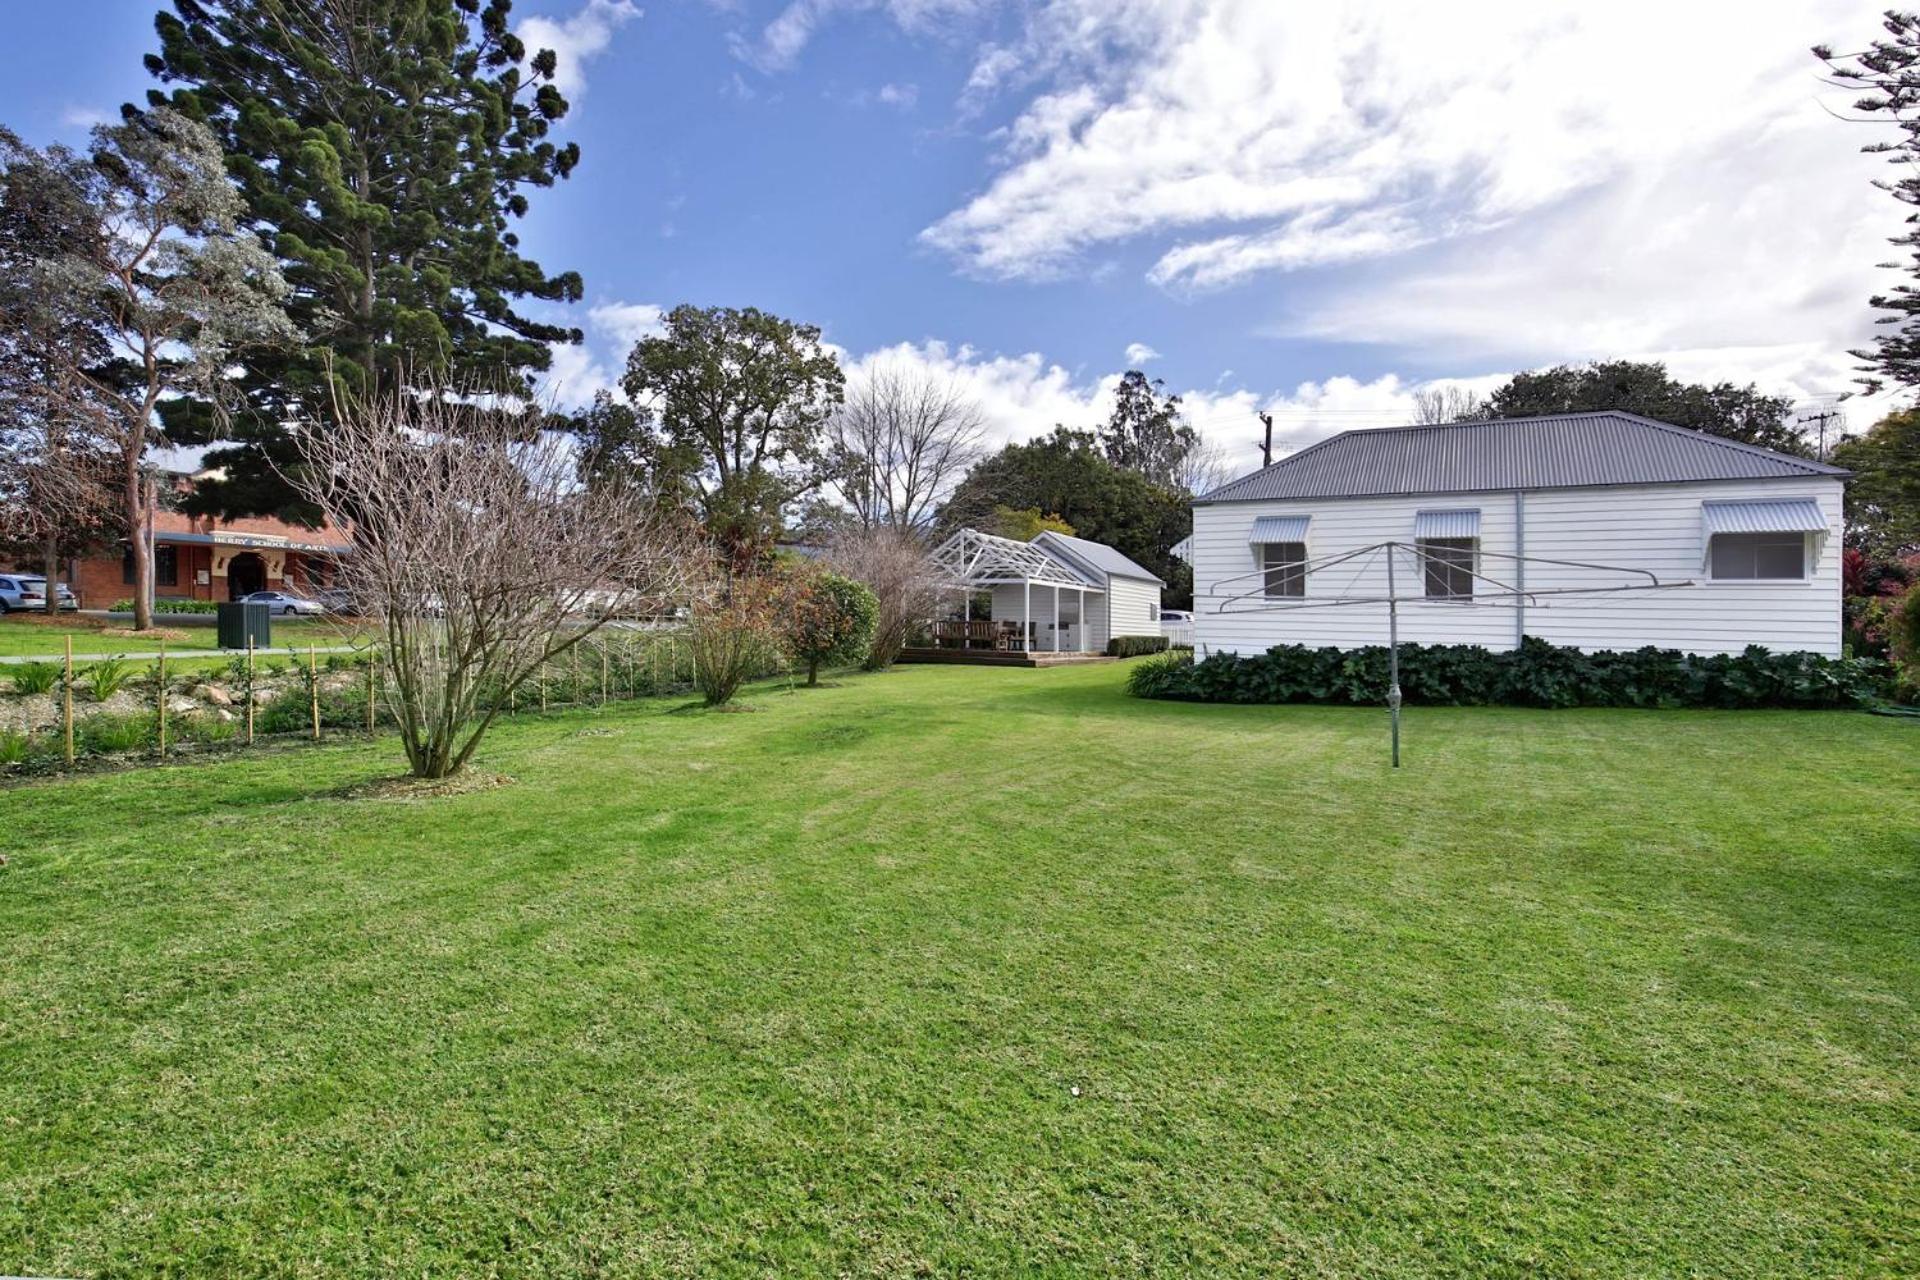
column 260, row 654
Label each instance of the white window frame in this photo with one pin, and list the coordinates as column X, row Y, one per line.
column 1267, row 569
column 1427, row 566
column 1806, row 560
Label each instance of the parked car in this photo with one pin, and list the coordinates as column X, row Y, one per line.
column 1177, row 626
column 29, row 594
column 281, row 602
column 1176, row 615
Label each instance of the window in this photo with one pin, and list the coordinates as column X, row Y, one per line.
column 1448, row 563
column 1750, row 556
column 166, row 565
column 1286, row 566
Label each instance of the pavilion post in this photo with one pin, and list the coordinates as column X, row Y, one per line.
column 966, row 618
column 1056, row 617
column 1026, row 615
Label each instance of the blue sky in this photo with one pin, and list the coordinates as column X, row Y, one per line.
column 1312, row 210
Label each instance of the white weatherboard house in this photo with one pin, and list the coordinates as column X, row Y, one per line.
column 1053, row 595
column 1483, row 507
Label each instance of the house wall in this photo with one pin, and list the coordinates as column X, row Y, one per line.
column 1651, row 527
column 99, row 580
column 1135, row 609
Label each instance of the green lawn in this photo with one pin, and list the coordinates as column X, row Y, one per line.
column 23, row 637
column 960, row 971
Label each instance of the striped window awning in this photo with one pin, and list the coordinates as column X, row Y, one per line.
column 1779, row 515
column 1280, row 529
column 1460, row 523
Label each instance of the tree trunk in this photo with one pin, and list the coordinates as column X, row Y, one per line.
column 813, row 673
column 50, row 567
column 135, row 494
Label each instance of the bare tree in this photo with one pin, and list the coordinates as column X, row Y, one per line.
column 894, row 565
column 899, row 443
column 151, row 257
column 1204, row 468
column 1439, row 405
column 56, row 487
column 480, row 553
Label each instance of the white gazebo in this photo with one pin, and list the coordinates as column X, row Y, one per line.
column 1018, row 576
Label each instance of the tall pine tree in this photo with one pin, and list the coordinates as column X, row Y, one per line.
column 383, row 148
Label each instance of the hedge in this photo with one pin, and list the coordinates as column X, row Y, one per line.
column 1134, row 646
column 170, row 604
column 1537, row 674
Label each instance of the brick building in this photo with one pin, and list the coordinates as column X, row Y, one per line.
column 199, row 558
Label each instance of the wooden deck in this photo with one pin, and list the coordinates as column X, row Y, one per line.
column 1001, row 657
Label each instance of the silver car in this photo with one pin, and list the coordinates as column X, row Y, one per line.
column 29, row 594
column 283, row 603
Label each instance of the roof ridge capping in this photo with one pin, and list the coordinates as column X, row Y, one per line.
column 1462, row 468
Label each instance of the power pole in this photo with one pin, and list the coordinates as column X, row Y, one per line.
column 1821, row 419
column 1266, row 446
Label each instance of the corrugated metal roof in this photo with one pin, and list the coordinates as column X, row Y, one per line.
column 1096, row 555
column 1791, row 515
column 1463, row 523
column 1561, row 451
column 1280, row 529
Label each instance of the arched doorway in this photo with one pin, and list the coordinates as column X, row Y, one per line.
column 246, row 574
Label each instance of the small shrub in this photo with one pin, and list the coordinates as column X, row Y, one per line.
column 108, row 676
column 826, row 618
column 114, row 735
column 15, row 748
column 36, row 677
column 1135, row 646
column 733, row 639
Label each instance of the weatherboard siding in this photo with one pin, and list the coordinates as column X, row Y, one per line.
column 1651, row 527
column 1135, row 607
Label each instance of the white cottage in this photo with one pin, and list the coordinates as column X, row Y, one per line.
column 1054, row 595
column 1505, row 527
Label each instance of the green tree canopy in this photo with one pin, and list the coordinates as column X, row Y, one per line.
column 1065, row 476
column 382, row 148
column 730, row 408
column 827, row 618
column 1645, row 387
column 1146, row 431
column 1883, row 498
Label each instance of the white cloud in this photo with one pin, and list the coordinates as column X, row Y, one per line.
column 1280, row 137
column 1138, row 353
column 576, row 40
column 1024, row 396
column 902, row 96
column 781, row 42
column 628, row 322
column 85, row 117
column 576, row 376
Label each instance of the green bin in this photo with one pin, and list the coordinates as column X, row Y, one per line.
column 240, row 622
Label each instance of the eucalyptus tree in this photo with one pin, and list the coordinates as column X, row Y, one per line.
column 153, row 263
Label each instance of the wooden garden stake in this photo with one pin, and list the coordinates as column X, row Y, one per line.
column 372, row 658
column 543, row 685
column 313, row 690
column 603, row 675
column 248, row 689
column 66, row 701
column 162, row 698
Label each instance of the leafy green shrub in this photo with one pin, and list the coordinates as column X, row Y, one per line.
column 166, row 605
column 1135, row 646
column 35, row 677
column 114, row 735
column 1536, row 674
column 825, row 618
column 15, row 747
column 108, row 676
